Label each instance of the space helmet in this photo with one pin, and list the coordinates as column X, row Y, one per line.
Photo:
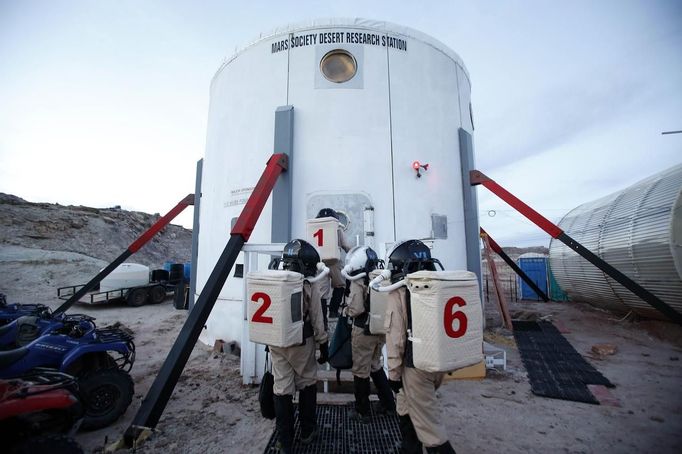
column 410, row 256
column 328, row 213
column 301, row 257
column 361, row 259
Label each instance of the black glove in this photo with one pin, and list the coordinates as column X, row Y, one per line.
column 324, row 353
column 395, row 385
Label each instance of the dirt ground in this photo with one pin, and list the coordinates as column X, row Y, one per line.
column 211, row 412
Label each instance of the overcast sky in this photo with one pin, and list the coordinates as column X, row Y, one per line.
column 105, row 103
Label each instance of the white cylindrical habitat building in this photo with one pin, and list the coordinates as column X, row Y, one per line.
column 638, row 231
column 367, row 100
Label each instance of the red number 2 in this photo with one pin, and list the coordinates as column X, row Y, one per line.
column 320, row 236
column 258, row 316
column 450, row 316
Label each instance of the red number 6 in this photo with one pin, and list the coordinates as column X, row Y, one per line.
column 258, row 316
column 450, row 316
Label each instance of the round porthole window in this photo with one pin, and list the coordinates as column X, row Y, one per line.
column 338, row 66
column 343, row 219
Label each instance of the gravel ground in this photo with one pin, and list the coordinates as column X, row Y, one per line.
column 211, row 412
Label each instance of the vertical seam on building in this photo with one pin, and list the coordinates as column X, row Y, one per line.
column 390, row 136
column 459, row 99
column 288, row 60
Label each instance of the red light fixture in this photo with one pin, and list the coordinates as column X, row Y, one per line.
column 417, row 166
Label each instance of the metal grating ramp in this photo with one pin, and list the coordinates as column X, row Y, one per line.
column 338, row 434
column 555, row 369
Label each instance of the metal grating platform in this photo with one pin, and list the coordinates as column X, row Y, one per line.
column 337, row 434
column 555, row 369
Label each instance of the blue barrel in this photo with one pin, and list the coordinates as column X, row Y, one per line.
column 177, row 273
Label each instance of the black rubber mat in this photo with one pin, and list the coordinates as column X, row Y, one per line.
column 555, row 369
column 338, row 434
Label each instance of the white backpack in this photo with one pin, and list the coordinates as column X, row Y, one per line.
column 275, row 302
column 447, row 320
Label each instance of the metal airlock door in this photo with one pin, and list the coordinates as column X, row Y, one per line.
column 351, row 209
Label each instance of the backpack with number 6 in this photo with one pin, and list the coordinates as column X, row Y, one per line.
column 447, row 320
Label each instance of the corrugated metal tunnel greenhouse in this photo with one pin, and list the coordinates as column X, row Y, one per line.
column 637, row 230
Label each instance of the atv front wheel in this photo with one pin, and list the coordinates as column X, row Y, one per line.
column 106, row 395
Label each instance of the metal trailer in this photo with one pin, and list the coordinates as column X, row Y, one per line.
column 133, row 248
column 153, row 293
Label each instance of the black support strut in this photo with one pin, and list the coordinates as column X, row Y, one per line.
column 621, row 278
column 160, row 392
column 155, row 402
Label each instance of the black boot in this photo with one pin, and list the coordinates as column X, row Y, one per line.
column 284, row 411
column 307, row 406
column 410, row 443
column 384, row 391
column 323, row 303
column 337, row 297
column 445, row 448
column 362, row 390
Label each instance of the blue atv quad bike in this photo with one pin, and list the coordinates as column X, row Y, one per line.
column 25, row 329
column 10, row 312
column 99, row 358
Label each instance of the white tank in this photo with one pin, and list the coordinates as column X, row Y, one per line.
column 124, row 276
column 354, row 141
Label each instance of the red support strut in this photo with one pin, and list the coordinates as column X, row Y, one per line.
column 545, row 224
column 134, row 247
column 244, row 226
column 161, row 223
column 162, row 388
column 477, row 177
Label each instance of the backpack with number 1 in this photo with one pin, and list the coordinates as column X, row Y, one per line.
column 323, row 234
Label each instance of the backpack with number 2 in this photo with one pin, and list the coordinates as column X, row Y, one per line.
column 275, row 307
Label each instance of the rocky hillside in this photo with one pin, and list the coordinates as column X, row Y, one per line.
column 101, row 233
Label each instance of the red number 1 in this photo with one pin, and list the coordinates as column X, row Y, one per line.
column 319, row 235
column 449, row 317
column 258, row 316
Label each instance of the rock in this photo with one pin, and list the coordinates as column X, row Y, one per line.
column 604, row 349
column 218, row 346
column 122, row 327
column 11, row 199
column 234, row 348
column 98, row 233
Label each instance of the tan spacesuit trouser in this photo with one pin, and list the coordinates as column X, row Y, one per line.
column 294, row 368
column 366, row 352
column 417, row 398
column 337, row 279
